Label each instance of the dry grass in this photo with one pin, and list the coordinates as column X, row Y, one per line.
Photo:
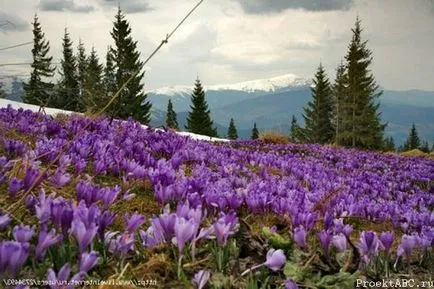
column 414, row 153
column 274, row 137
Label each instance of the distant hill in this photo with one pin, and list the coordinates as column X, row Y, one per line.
column 271, row 107
column 271, row 103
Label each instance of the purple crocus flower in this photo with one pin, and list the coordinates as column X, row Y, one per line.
column 83, row 234
column 368, row 245
column 275, row 259
column 13, row 255
column 109, row 196
column 30, row 202
column 15, row 185
column 22, row 233
column 134, row 222
column 300, row 237
column 32, row 178
column 60, row 178
column 45, row 240
column 88, row 261
column 61, row 280
column 325, row 239
column 4, row 221
column 105, row 220
column 290, row 284
column 184, row 232
column 340, row 242
column 201, row 278
column 386, row 239
column 408, row 242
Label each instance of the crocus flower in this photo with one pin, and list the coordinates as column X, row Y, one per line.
column 184, row 232
column 15, row 185
column 408, row 242
column 4, row 221
column 22, row 233
column 13, row 255
column 32, row 178
column 61, row 280
column 83, row 234
column 290, row 284
column 88, row 261
column 369, row 243
column 109, row 196
column 46, row 240
column 275, row 259
column 60, row 178
column 325, row 239
column 339, row 242
column 386, row 239
column 134, row 222
column 201, row 278
column 300, row 237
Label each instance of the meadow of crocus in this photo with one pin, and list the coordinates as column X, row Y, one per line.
column 87, row 199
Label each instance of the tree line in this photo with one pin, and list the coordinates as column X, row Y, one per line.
column 85, row 84
column 344, row 113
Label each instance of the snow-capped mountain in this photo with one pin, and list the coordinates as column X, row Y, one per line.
column 253, row 86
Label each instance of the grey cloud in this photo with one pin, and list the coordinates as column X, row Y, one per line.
column 267, row 6
column 64, row 6
column 130, row 6
column 12, row 22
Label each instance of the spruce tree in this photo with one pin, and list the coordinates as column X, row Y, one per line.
column 38, row 90
column 255, row 132
column 199, row 118
column 171, row 119
column 340, row 95
column 232, row 130
column 425, row 147
column 318, row 113
column 2, row 92
column 295, row 132
column 389, row 144
column 413, row 140
column 93, row 87
column 82, row 63
column 67, row 88
column 109, row 81
column 131, row 101
column 365, row 129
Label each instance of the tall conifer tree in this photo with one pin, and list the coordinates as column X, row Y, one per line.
column 255, row 132
column 232, row 130
column 171, row 120
column 413, row 140
column 67, row 88
column 340, row 110
column 318, row 113
column 199, row 118
column 365, row 129
column 82, row 63
column 295, row 131
column 2, row 91
column 109, row 81
column 38, row 90
column 93, row 87
column 132, row 101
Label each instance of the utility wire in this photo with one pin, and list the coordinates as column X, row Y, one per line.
column 17, row 45
column 166, row 40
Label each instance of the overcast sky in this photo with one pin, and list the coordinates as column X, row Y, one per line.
column 227, row 41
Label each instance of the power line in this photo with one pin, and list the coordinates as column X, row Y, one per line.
column 17, row 45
